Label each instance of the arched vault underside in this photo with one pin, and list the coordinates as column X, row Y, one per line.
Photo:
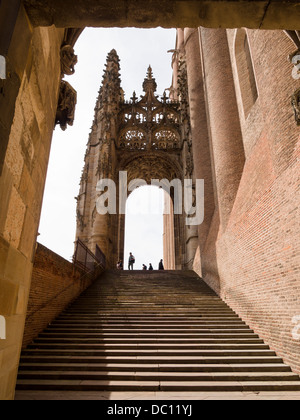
column 158, row 165
column 254, row 14
column 154, row 165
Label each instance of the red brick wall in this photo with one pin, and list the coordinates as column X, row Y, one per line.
column 54, row 286
column 255, row 263
column 258, row 259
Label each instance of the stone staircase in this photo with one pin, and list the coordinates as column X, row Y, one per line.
column 151, row 331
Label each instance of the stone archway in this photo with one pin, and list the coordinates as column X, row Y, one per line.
column 156, row 166
column 148, row 139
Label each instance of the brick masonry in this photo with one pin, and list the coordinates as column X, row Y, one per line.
column 253, row 264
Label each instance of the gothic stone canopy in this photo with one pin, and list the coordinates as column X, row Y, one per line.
column 148, row 123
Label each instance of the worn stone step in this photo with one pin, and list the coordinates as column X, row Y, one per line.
column 231, row 386
column 39, row 344
column 155, row 367
column 148, row 319
column 78, row 385
column 93, row 332
column 177, row 327
column 127, row 322
column 141, row 352
column 98, row 339
column 41, row 358
column 160, row 376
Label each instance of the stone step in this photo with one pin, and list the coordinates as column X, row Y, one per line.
column 153, row 308
column 58, row 344
column 141, row 318
column 164, row 328
column 213, row 386
column 89, row 332
column 154, row 367
column 169, row 324
column 42, row 358
column 159, row 376
column 98, row 339
column 140, row 352
column 161, row 332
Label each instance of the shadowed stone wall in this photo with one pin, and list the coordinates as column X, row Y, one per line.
column 22, row 183
column 264, row 14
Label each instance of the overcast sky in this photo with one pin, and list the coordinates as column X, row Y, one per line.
column 137, row 48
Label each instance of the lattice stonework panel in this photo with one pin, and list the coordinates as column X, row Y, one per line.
column 149, row 123
column 133, row 139
column 165, row 139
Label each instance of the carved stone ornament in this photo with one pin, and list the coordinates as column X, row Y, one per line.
column 149, row 123
column 66, row 105
column 68, row 60
column 80, row 220
column 296, row 105
column 189, row 166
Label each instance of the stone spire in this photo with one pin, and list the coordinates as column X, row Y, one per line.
column 111, row 91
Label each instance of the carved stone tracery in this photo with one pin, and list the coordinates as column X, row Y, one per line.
column 147, row 137
column 148, row 123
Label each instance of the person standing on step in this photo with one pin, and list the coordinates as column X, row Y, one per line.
column 150, row 267
column 131, row 261
column 161, row 265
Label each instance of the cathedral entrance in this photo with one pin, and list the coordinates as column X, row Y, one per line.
column 133, row 143
column 144, row 227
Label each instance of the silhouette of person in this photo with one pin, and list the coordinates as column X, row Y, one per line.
column 150, row 267
column 161, row 265
column 144, row 267
column 131, row 261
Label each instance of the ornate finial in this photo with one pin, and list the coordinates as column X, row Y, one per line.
column 150, row 73
column 134, row 98
column 149, row 84
column 164, row 98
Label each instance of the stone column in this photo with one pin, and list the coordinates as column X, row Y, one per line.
column 100, row 234
column 226, row 136
column 168, row 238
column 199, row 127
column 121, row 236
